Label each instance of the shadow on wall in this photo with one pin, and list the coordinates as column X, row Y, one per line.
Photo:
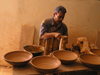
column 97, row 41
column 27, row 36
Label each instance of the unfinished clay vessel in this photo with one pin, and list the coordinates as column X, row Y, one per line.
column 65, row 56
column 95, row 51
column 36, row 50
column 90, row 60
column 18, row 58
column 45, row 64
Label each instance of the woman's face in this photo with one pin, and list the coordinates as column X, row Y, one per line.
column 58, row 18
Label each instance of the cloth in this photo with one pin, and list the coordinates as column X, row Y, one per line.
column 47, row 26
column 85, row 46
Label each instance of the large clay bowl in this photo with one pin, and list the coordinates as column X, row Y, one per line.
column 36, row 50
column 90, row 60
column 95, row 51
column 45, row 64
column 18, row 58
column 65, row 56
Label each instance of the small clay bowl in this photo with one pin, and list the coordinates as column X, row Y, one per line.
column 18, row 58
column 90, row 60
column 65, row 56
column 45, row 64
column 36, row 50
column 95, row 51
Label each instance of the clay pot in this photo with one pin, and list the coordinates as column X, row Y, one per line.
column 45, row 64
column 36, row 50
column 90, row 60
column 18, row 58
column 95, row 51
column 65, row 56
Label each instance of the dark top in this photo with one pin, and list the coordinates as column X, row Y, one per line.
column 47, row 26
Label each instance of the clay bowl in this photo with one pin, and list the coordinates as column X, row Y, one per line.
column 95, row 51
column 18, row 58
column 36, row 50
column 90, row 60
column 45, row 64
column 65, row 56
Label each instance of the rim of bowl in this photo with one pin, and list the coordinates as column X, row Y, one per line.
column 17, row 61
column 47, row 57
column 85, row 61
column 34, row 45
column 91, row 50
column 66, row 51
